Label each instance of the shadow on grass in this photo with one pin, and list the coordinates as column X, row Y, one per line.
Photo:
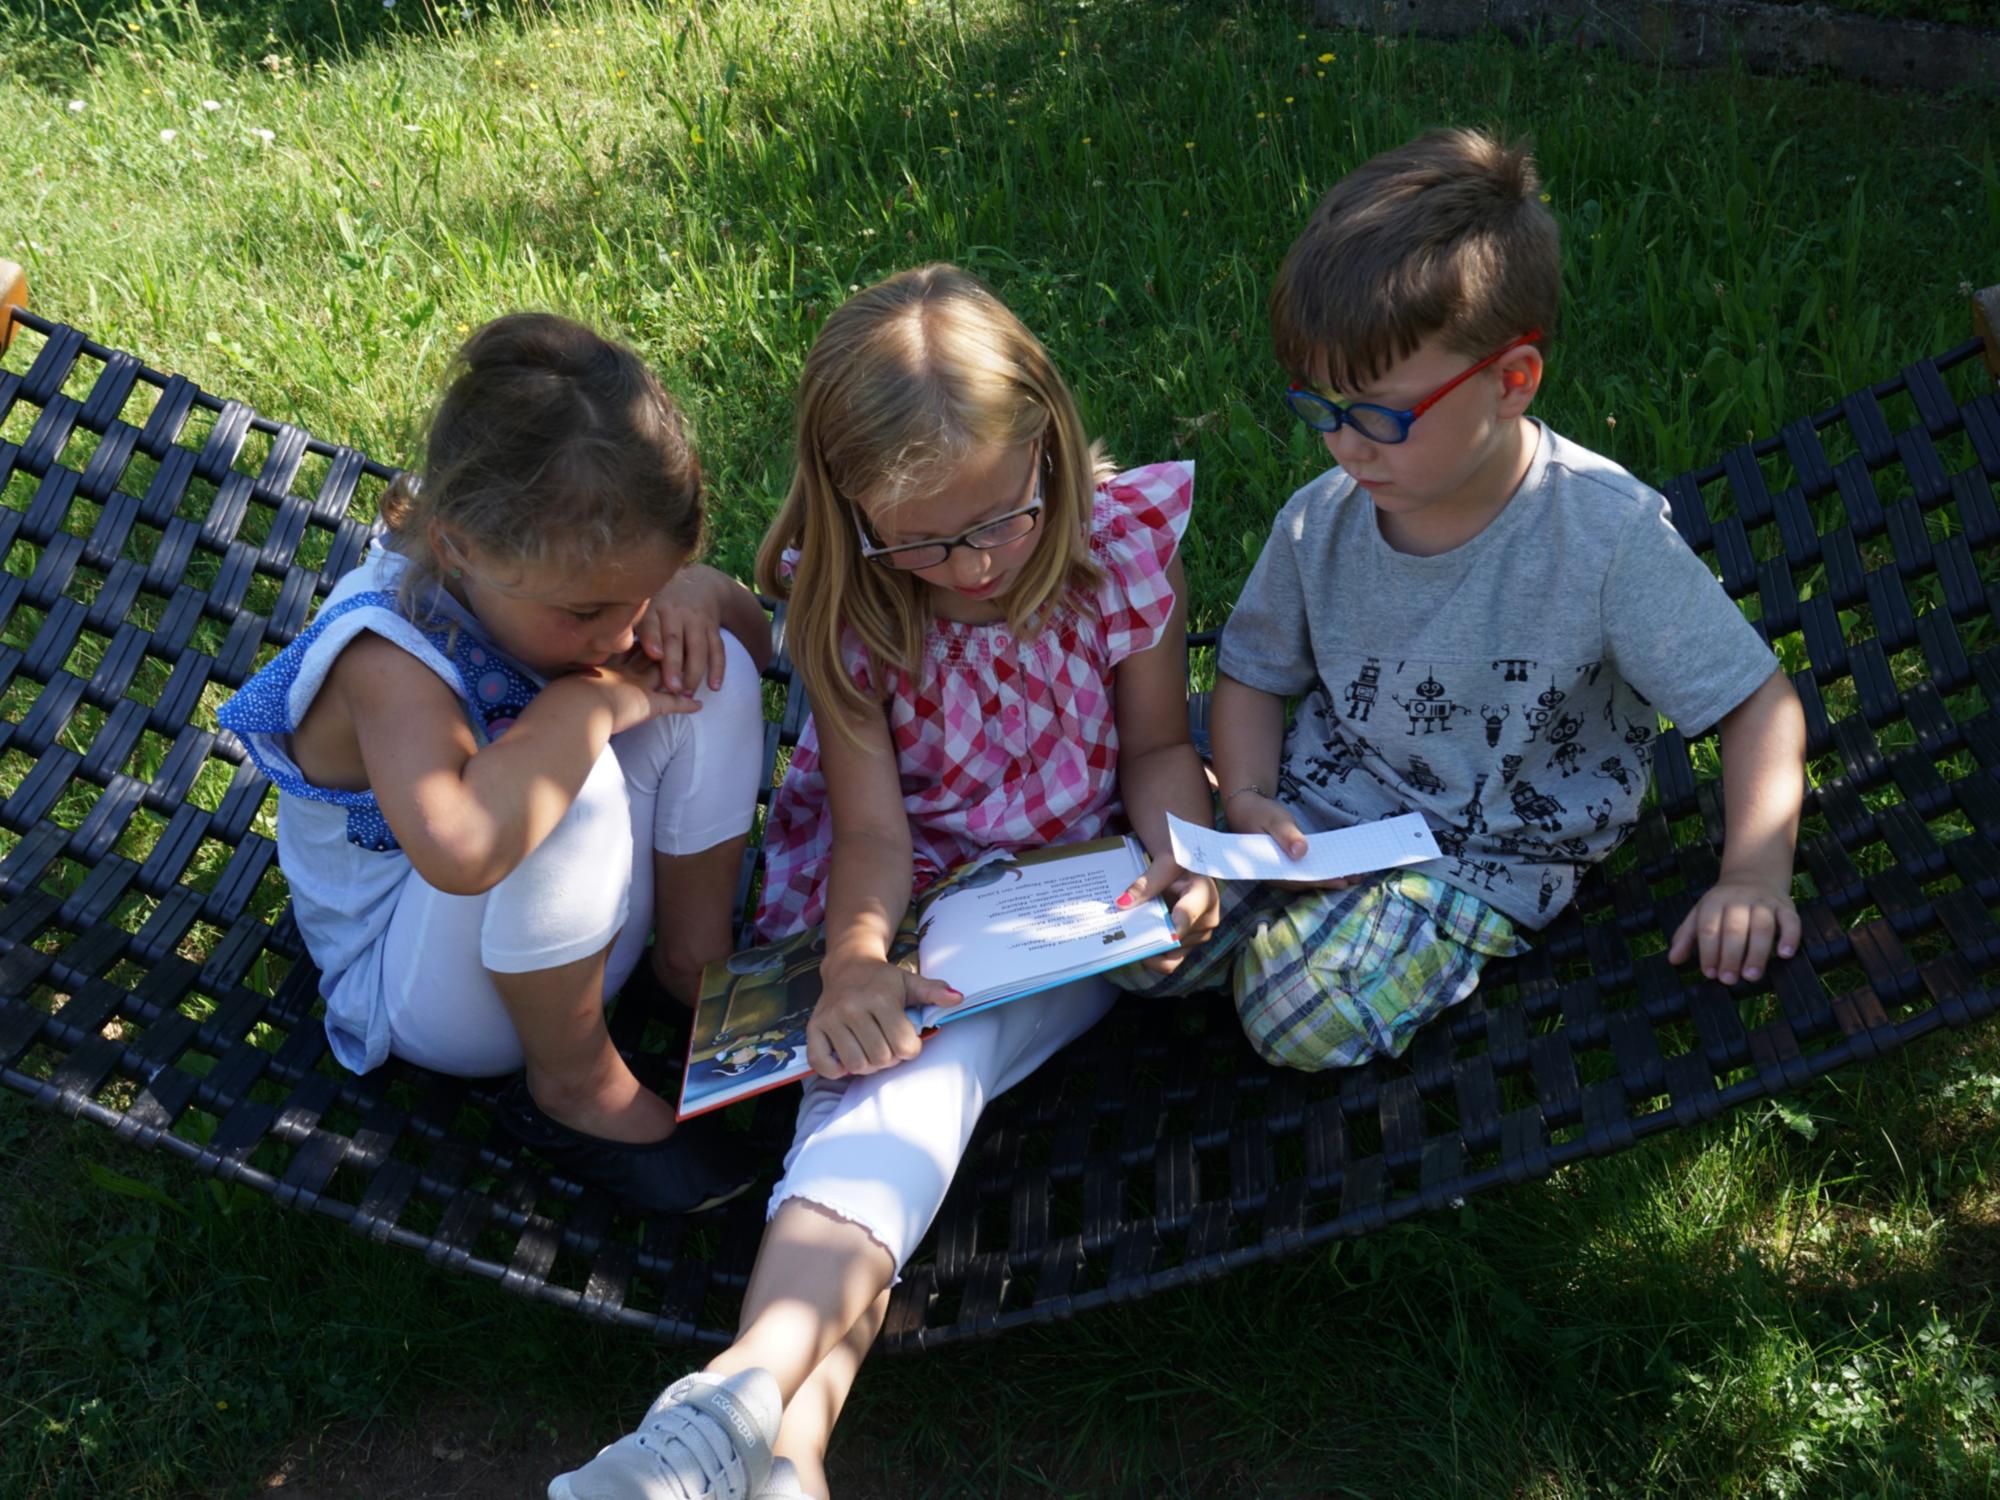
column 56, row 43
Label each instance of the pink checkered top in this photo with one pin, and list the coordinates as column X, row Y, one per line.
column 1001, row 741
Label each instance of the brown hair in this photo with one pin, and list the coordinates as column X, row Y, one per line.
column 1444, row 236
column 551, row 443
column 905, row 381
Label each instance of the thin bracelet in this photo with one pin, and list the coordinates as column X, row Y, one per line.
column 1248, row 787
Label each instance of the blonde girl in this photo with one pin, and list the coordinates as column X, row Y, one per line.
column 486, row 794
column 991, row 627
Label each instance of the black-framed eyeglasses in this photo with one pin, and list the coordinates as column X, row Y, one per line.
column 1385, row 424
column 914, row 556
column 911, row 557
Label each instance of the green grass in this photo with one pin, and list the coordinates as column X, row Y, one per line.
column 1791, row 1302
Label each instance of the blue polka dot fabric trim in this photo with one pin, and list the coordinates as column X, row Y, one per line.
column 493, row 689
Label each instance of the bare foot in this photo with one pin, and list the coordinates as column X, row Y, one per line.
column 614, row 1108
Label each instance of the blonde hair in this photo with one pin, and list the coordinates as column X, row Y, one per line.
column 1445, row 235
column 550, row 442
column 905, row 381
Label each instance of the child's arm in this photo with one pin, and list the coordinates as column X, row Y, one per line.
column 1159, row 772
column 682, row 630
column 467, row 814
column 1249, row 730
column 860, row 1022
column 1763, row 784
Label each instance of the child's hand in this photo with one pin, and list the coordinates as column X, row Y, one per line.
column 682, row 631
column 1192, row 906
column 1253, row 812
column 630, row 686
column 1732, row 927
column 861, row 1023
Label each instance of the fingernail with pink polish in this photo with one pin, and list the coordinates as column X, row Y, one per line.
column 1124, row 901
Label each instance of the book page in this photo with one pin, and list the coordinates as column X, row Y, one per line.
column 1360, row 850
column 1003, row 926
column 1014, row 923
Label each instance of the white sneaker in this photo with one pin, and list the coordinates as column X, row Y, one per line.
column 707, row 1437
column 783, row 1483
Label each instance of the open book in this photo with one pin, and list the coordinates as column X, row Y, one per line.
column 1003, row 926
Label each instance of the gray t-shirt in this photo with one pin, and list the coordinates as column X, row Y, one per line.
column 1507, row 689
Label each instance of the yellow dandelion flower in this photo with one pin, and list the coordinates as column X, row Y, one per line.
column 1326, row 57
column 695, row 136
column 954, row 114
column 1187, row 145
column 1086, row 140
column 1260, row 114
column 1547, row 199
column 1288, row 98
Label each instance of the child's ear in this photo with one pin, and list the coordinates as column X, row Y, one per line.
column 1520, row 378
column 447, row 550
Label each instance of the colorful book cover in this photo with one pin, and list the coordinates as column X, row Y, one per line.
column 1001, row 927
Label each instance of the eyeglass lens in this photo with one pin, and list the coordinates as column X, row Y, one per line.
column 981, row 539
column 1373, row 422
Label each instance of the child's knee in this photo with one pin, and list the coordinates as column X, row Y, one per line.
column 1310, row 1029
column 741, row 696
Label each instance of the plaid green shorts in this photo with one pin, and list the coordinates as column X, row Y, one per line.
column 1328, row 979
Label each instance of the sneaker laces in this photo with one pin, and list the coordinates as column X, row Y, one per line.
column 697, row 1453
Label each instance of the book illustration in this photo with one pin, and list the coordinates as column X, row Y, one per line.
column 753, row 1007
column 1004, row 925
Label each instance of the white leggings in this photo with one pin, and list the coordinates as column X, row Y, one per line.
column 676, row 785
column 879, row 1151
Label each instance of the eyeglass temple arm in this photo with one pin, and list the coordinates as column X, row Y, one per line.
column 1451, row 385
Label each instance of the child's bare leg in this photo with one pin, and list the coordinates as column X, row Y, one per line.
column 693, row 897
column 816, row 1276
column 809, row 1420
column 574, row 1072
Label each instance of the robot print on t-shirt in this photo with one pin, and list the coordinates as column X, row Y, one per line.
column 1527, row 771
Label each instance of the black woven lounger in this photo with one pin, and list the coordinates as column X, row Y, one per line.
column 162, row 541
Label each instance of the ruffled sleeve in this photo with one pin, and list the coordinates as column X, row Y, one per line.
column 1136, row 528
column 854, row 657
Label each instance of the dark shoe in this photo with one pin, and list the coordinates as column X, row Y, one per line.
column 699, row 1166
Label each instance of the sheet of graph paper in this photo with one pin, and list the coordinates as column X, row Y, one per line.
column 1359, row 850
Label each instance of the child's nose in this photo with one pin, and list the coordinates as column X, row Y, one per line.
column 1348, row 446
column 620, row 639
column 968, row 565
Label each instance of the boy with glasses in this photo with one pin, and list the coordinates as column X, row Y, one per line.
column 1477, row 619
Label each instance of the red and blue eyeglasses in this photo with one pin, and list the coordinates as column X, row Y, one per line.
column 1385, row 424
